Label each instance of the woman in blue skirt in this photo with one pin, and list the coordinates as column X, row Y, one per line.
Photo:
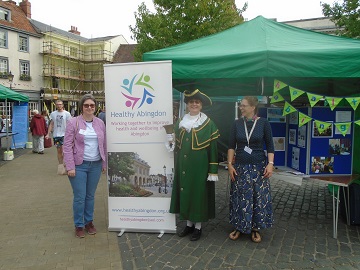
column 250, row 194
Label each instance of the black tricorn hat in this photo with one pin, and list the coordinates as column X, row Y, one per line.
column 196, row 94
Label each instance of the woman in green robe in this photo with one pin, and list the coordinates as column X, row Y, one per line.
column 196, row 166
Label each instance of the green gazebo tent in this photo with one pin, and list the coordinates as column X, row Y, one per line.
column 245, row 60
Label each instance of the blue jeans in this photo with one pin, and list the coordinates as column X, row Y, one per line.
column 84, row 184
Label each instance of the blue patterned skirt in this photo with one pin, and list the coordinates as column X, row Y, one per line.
column 250, row 199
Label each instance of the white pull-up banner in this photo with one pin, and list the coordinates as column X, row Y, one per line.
column 138, row 100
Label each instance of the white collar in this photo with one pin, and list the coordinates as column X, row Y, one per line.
column 192, row 121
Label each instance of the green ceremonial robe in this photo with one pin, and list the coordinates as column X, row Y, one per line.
column 196, row 156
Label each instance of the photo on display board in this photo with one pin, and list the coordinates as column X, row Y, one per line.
column 301, row 136
column 322, row 164
column 295, row 157
column 130, row 175
column 292, row 136
column 327, row 133
column 275, row 115
column 339, row 147
column 279, row 143
column 294, row 118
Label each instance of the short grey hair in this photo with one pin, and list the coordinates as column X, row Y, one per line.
column 35, row 112
column 85, row 98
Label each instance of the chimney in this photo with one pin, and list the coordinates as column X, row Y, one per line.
column 26, row 7
column 74, row 30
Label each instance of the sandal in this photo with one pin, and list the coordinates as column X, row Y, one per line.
column 234, row 235
column 255, row 236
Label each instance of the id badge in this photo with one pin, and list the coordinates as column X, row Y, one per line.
column 248, row 150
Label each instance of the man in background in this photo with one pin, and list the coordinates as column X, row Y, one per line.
column 58, row 120
column 102, row 115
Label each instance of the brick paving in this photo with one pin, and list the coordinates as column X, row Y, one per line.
column 300, row 239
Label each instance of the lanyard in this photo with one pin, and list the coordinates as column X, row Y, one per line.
column 248, row 136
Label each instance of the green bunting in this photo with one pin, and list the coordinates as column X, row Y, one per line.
column 343, row 127
column 288, row 108
column 276, row 98
column 333, row 102
column 278, row 85
column 322, row 126
column 295, row 93
column 353, row 101
column 303, row 119
column 357, row 122
column 313, row 99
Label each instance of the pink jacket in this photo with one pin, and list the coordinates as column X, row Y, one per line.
column 74, row 150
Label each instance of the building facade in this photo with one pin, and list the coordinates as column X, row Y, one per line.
column 49, row 63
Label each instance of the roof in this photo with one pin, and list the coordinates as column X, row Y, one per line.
column 124, row 53
column 44, row 28
column 19, row 20
column 251, row 55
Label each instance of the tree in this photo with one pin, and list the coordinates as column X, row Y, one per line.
column 120, row 164
column 345, row 15
column 179, row 21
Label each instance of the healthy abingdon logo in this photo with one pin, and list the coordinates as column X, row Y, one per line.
column 137, row 91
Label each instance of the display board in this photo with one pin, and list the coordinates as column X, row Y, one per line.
column 297, row 141
column 20, row 124
column 278, row 128
column 330, row 151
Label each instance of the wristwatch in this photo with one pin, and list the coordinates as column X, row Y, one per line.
column 271, row 162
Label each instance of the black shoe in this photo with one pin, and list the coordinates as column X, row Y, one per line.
column 41, row 153
column 187, row 230
column 196, row 235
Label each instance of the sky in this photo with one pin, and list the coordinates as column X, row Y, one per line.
column 113, row 17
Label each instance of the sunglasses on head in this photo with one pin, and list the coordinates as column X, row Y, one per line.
column 89, row 105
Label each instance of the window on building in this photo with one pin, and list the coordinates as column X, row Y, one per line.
column 73, row 52
column 23, row 43
column 4, row 67
column 25, row 70
column 5, row 14
column 3, row 38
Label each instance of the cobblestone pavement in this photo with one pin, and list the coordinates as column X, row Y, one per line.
column 302, row 237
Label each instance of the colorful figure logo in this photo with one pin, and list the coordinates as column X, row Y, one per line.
column 134, row 98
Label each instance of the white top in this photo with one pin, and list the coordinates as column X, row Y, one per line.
column 60, row 119
column 91, row 150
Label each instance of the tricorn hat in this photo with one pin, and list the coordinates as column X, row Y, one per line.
column 196, row 94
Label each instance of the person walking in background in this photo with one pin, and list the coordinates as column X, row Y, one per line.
column 196, row 166
column 38, row 130
column 58, row 121
column 45, row 114
column 85, row 159
column 250, row 194
column 102, row 115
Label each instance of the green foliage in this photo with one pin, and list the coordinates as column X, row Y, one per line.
column 120, row 164
column 178, row 21
column 345, row 15
column 127, row 190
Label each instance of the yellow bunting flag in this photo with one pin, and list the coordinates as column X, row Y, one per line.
column 288, row 108
column 322, row 126
column 313, row 99
column 353, row 101
column 343, row 127
column 276, row 98
column 357, row 122
column 303, row 119
column 333, row 101
column 278, row 85
column 295, row 93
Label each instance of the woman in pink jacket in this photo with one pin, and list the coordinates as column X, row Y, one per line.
column 85, row 158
